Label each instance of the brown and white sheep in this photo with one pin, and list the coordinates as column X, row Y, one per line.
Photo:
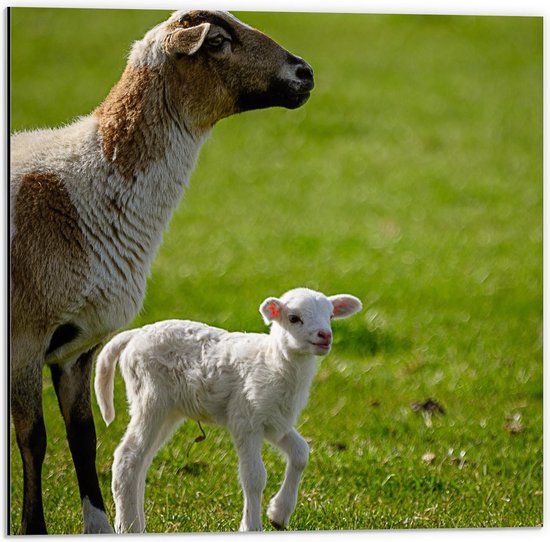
column 89, row 202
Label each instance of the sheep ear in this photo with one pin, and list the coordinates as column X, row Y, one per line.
column 187, row 40
column 271, row 309
column 344, row 305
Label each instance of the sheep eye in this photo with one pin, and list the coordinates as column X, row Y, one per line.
column 216, row 42
column 293, row 319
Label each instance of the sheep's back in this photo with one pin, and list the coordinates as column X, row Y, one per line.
column 168, row 362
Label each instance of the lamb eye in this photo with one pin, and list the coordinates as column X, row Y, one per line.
column 293, row 319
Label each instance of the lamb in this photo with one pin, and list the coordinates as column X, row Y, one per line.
column 89, row 203
column 254, row 384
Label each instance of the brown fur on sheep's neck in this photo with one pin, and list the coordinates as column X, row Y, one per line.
column 131, row 122
column 135, row 120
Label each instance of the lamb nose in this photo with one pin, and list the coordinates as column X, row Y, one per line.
column 325, row 335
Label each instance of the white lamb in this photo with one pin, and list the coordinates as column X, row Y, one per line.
column 252, row 383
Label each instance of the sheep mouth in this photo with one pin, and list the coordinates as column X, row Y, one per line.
column 297, row 99
column 297, row 95
column 278, row 95
column 323, row 346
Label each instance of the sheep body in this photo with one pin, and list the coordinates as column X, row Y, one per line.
column 253, row 384
column 88, row 205
column 212, row 373
column 119, row 249
column 111, row 217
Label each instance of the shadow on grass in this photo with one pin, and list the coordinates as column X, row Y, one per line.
column 194, row 469
column 362, row 341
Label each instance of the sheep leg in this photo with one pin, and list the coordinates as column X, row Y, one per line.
column 283, row 504
column 144, row 435
column 30, row 431
column 253, row 477
column 72, row 387
column 165, row 432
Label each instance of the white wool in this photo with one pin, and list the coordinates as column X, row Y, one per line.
column 253, row 384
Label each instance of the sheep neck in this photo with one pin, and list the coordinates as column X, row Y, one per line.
column 141, row 127
column 300, row 367
column 148, row 142
column 126, row 197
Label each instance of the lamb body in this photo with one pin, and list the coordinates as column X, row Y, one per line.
column 89, row 203
column 253, row 384
column 215, row 376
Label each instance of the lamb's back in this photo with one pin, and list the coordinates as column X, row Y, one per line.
column 205, row 370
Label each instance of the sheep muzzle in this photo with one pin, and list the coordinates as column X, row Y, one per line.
column 291, row 89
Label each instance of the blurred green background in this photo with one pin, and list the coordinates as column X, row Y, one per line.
column 411, row 179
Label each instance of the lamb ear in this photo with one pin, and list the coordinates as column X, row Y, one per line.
column 344, row 305
column 271, row 309
column 187, row 40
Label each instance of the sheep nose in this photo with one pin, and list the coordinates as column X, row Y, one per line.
column 325, row 335
column 304, row 72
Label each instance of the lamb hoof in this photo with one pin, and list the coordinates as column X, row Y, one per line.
column 276, row 525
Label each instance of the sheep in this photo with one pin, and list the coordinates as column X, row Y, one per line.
column 254, row 384
column 89, row 202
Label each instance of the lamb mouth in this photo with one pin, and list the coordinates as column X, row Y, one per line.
column 325, row 346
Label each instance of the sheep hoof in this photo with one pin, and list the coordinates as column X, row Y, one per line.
column 276, row 525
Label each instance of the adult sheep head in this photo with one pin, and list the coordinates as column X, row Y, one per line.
column 216, row 66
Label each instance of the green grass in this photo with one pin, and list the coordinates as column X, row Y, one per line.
column 412, row 179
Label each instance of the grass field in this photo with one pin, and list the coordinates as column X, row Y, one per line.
column 413, row 180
